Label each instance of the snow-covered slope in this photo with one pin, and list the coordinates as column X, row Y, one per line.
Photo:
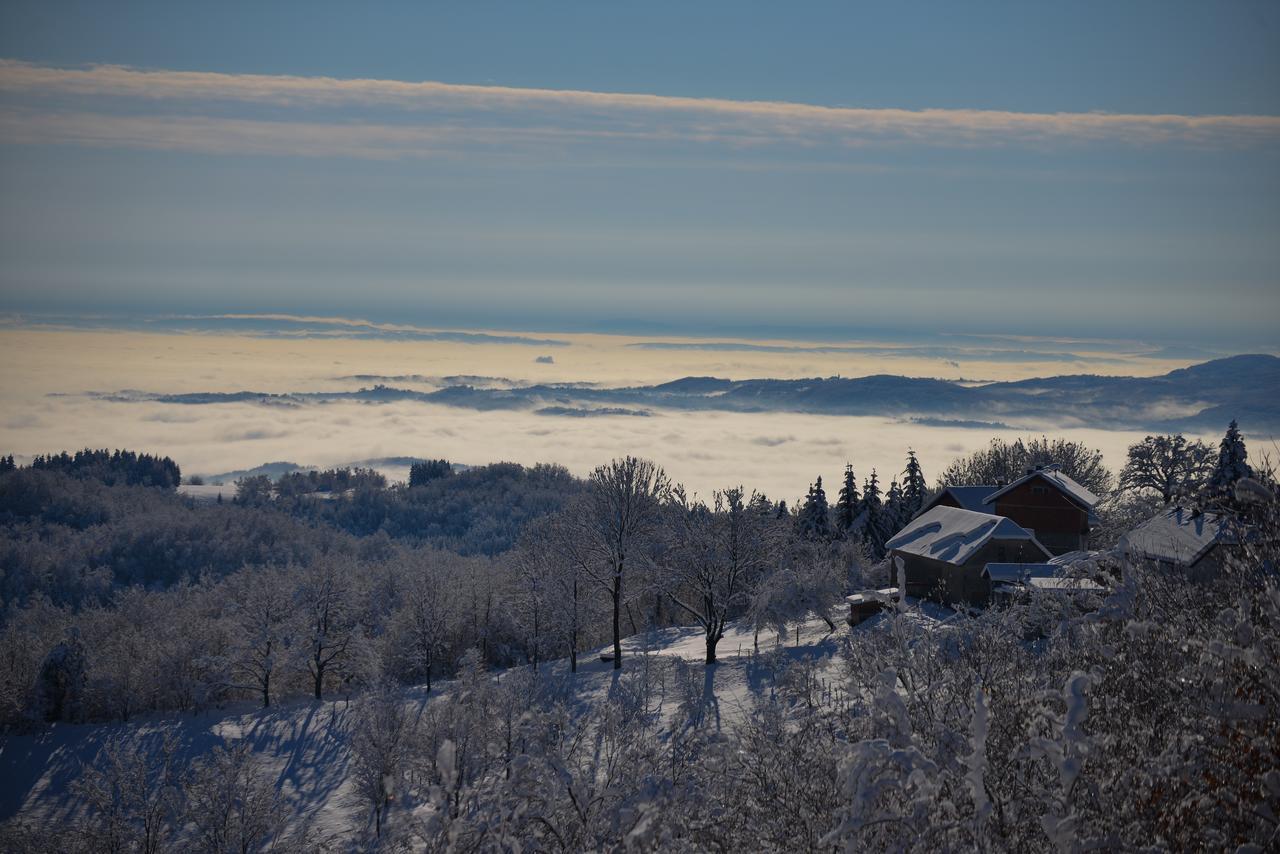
column 306, row 743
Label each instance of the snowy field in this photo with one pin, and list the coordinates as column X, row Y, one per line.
column 305, row 743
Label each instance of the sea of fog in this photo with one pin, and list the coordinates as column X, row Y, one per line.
column 58, row 392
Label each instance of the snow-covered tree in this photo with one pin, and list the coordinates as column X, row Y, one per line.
column 1169, row 466
column 1005, row 462
column 814, row 518
column 262, row 615
column 133, row 791
column 847, row 502
column 716, row 559
column 59, row 692
column 324, row 599
column 233, row 804
column 381, row 733
column 874, row 523
column 620, row 515
column 420, row 627
column 895, row 511
column 914, row 488
column 1232, row 465
column 534, row 597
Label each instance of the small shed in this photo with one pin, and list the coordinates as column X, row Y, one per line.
column 868, row 603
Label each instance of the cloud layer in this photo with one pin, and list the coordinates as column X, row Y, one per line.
column 209, row 112
column 780, row 452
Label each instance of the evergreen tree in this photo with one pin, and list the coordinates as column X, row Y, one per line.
column 422, row 473
column 815, row 516
column 914, row 488
column 895, row 514
column 847, row 503
column 1232, row 463
column 873, row 512
column 7, row 464
column 783, row 512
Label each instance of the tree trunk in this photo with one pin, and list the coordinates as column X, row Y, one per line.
column 712, row 640
column 617, row 626
column 319, row 677
column 266, row 691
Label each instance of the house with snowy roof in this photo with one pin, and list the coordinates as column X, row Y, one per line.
column 1054, row 507
column 1190, row 541
column 945, row 550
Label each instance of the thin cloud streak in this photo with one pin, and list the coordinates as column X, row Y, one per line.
column 432, row 117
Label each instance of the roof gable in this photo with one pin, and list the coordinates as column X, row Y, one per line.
column 1068, row 487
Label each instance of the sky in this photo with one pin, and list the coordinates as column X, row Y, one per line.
column 803, row 170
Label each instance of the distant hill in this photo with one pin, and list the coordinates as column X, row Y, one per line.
column 1201, row 398
column 395, row 467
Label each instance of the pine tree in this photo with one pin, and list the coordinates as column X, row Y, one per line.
column 847, row 503
column 914, row 488
column 873, row 510
column 895, row 514
column 1232, row 463
column 815, row 515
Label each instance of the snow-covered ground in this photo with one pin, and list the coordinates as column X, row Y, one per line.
column 305, row 743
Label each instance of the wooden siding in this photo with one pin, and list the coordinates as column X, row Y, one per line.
column 1041, row 508
column 955, row 584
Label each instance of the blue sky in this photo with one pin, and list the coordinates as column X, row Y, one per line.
column 269, row 182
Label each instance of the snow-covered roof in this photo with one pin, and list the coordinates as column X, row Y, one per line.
column 953, row 535
column 1066, row 485
column 883, row 596
column 1064, row 584
column 1179, row 536
column 968, row 497
column 1019, row 572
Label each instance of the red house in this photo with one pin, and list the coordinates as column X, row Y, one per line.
column 1056, row 509
column 1051, row 505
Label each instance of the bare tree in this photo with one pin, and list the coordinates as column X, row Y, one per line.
column 233, row 803
column 422, row 624
column 262, row 613
column 324, row 600
column 570, row 560
column 718, row 556
column 622, row 511
column 379, row 741
column 133, row 793
column 1168, row 465
column 1003, row 461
